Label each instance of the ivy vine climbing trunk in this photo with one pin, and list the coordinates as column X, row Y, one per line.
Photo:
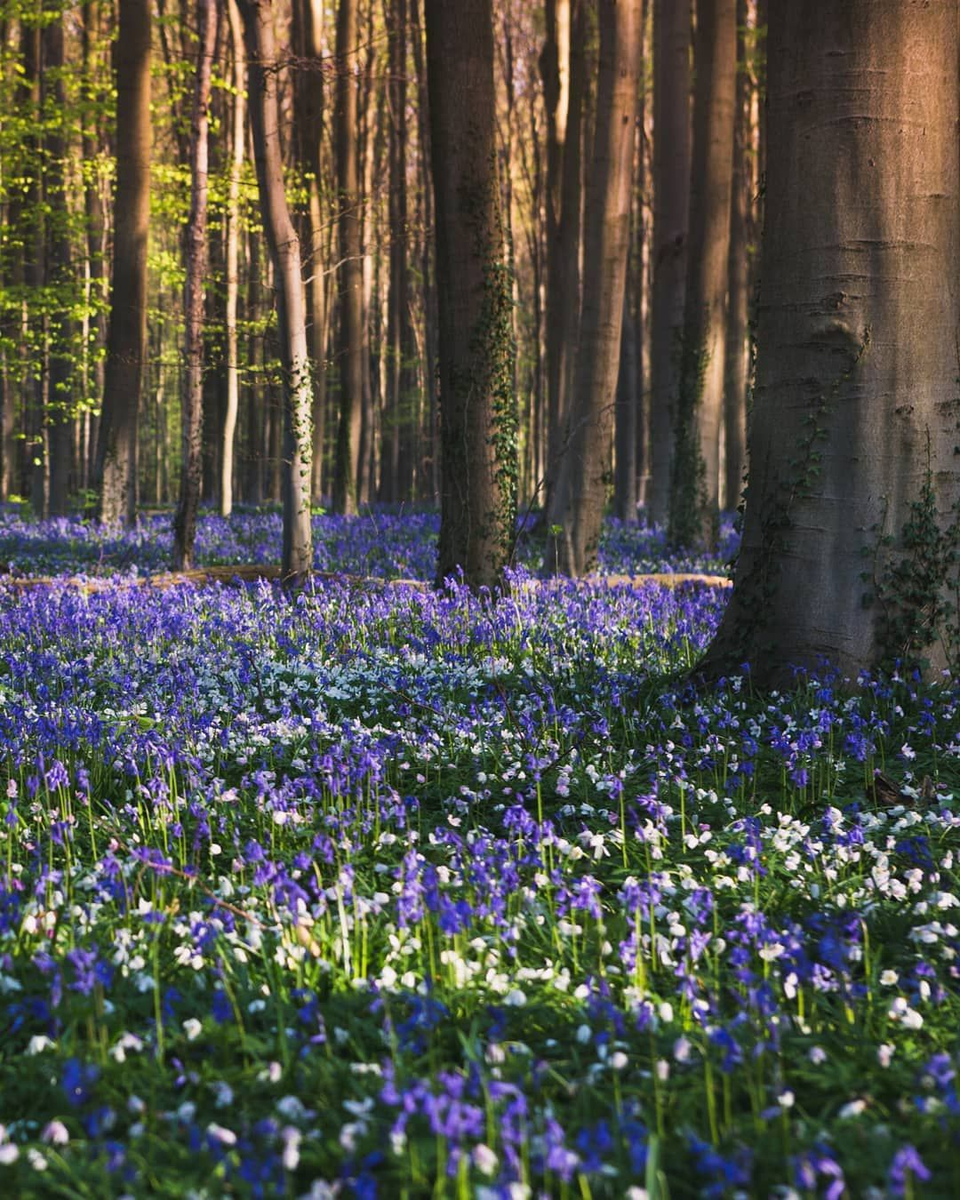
column 347, row 472
column 585, row 474
column 284, row 246
column 671, row 206
column 127, row 328
column 695, row 473
column 850, row 518
column 191, row 401
column 478, row 417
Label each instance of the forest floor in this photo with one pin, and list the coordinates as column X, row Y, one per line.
column 401, row 892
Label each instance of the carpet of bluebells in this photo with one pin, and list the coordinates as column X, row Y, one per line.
column 378, row 891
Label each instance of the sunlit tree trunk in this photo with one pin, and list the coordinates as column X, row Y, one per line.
column 738, row 286
column 232, row 253
column 191, row 402
column 126, row 335
column 478, row 502
column 585, row 472
column 284, row 248
column 58, row 268
column 854, row 428
column 351, row 266
column 308, row 134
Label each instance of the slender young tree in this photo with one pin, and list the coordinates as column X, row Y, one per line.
column 127, row 329
column 478, row 490
column 238, row 133
column 351, row 264
column 850, row 526
column 671, row 200
column 191, row 403
column 738, row 286
column 583, row 483
column 284, row 246
column 695, row 473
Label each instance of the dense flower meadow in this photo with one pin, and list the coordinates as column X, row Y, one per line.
column 378, row 891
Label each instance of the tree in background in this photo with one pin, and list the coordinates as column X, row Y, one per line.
column 284, row 244
column 851, row 524
column 695, row 473
column 671, row 190
column 478, row 415
column 351, row 264
column 127, row 330
column 584, row 478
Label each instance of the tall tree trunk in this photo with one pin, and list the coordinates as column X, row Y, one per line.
column 126, row 336
column 95, row 239
column 738, row 286
column 563, row 253
column 308, row 131
column 191, row 404
column 478, row 501
column 291, row 311
column 351, row 267
column 58, row 268
column 237, row 143
column 695, row 477
column 574, row 535
column 671, row 199
column 854, row 429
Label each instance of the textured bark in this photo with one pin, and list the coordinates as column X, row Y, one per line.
column 127, row 330
column 738, row 286
column 96, row 243
column 351, row 265
column 308, row 131
column 563, row 256
column 671, row 190
column 585, row 474
column 856, row 404
column 478, row 499
column 695, row 475
column 284, row 246
column 191, row 401
column 628, row 395
column 232, row 254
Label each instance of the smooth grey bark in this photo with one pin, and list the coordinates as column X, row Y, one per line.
column 671, row 208
column 695, row 471
column 238, row 128
column 127, row 329
column 284, row 246
column 308, row 136
column 738, row 285
column 585, row 470
column 856, row 406
column 563, row 254
column 191, row 401
column 347, row 470
column 478, row 419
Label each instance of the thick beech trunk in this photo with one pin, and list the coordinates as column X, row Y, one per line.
column 478, row 501
column 854, row 428
column 284, row 248
column 127, row 330
column 585, row 470
column 347, row 470
column 671, row 192
column 191, row 402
